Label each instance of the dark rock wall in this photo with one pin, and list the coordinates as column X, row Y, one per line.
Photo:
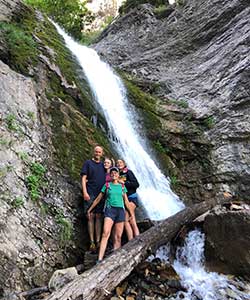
column 200, row 54
column 228, row 240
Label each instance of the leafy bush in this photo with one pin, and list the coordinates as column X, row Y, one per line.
column 35, row 181
column 68, row 13
column 130, row 4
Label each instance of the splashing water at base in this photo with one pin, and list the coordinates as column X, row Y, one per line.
column 155, row 193
column 199, row 283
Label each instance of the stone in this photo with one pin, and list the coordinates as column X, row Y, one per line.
column 228, row 240
column 62, row 277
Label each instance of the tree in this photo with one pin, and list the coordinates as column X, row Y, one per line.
column 68, row 13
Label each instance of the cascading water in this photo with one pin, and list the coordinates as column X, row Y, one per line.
column 155, row 193
column 199, row 283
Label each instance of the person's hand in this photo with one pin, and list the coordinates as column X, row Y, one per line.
column 86, row 197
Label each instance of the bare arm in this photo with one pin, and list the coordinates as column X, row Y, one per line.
column 96, row 201
column 84, row 188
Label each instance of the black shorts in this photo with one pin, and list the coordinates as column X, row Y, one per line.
column 99, row 207
column 117, row 214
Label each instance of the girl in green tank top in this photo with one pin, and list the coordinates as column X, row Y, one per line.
column 114, row 212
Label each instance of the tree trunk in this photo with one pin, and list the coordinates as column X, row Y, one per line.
column 99, row 281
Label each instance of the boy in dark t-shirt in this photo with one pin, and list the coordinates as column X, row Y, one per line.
column 93, row 178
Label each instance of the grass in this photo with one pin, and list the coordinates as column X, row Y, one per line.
column 17, row 202
column 22, row 49
column 173, row 180
column 31, row 115
column 160, row 148
column 160, row 10
column 35, row 181
column 66, row 228
column 209, row 122
column 12, row 123
column 3, row 142
column 180, row 103
column 23, row 155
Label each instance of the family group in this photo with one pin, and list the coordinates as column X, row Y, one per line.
column 109, row 193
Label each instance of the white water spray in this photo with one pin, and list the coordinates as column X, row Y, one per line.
column 199, row 283
column 155, row 193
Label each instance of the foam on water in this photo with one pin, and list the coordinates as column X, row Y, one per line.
column 199, row 283
column 155, row 193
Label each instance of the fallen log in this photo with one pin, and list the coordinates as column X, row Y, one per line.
column 99, row 281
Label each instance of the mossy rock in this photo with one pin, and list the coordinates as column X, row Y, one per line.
column 74, row 137
column 71, row 105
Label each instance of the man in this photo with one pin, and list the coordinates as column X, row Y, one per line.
column 93, row 179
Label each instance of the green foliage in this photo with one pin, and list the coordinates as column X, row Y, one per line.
column 22, row 49
column 173, row 180
column 11, row 122
column 66, row 228
column 35, row 181
column 160, row 148
column 31, row 115
column 89, row 37
column 68, row 13
column 3, row 142
column 23, row 155
column 180, row 103
column 130, row 4
column 179, row 2
column 18, row 202
column 160, row 10
column 44, row 208
column 209, row 122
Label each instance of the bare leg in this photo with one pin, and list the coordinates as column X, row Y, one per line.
column 98, row 227
column 133, row 220
column 108, row 223
column 128, row 228
column 118, row 234
column 91, row 227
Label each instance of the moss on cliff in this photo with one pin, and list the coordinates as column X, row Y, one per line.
column 74, row 137
column 174, row 134
column 21, row 48
column 36, row 49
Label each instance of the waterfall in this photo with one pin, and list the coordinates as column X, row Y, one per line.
column 200, row 284
column 154, row 191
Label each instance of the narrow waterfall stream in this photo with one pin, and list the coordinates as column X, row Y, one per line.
column 155, row 193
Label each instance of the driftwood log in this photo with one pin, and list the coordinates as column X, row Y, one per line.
column 99, row 281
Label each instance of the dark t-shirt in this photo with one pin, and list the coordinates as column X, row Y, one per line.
column 95, row 176
column 130, row 181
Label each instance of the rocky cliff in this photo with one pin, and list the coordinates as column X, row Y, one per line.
column 194, row 58
column 186, row 69
column 45, row 134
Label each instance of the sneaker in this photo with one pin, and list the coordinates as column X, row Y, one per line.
column 92, row 247
column 98, row 261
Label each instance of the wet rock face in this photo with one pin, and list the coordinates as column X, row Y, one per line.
column 198, row 53
column 228, row 240
column 32, row 230
column 45, row 135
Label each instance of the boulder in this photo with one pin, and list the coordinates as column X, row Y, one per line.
column 62, row 277
column 227, row 243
